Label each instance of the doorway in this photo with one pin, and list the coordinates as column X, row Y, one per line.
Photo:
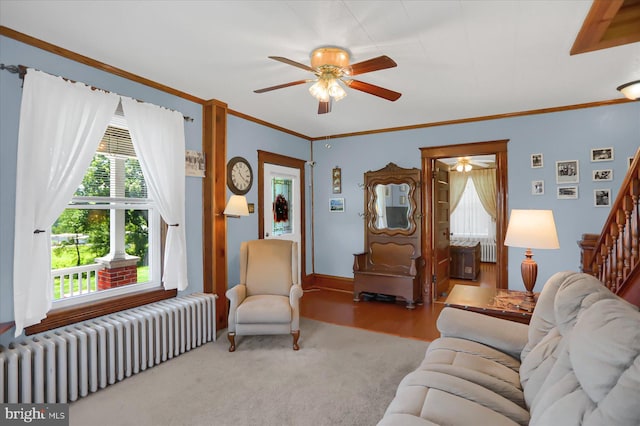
column 471, row 222
column 281, row 200
column 436, row 232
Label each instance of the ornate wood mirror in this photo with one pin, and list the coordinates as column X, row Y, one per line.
column 392, row 200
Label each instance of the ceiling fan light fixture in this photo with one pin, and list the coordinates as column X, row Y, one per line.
column 329, row 56
column 463, row 165
column 631, row 90
column 336, row 91
column 319, row 90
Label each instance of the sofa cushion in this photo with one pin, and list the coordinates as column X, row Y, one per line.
column 475, row 363
column 548, row 332
column 447, row 399
column 267, row 309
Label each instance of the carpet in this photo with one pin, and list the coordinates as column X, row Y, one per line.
column 340, row 376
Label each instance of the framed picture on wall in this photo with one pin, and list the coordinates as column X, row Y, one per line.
column 599, row 175
column 336, row 205
column 602, row 154
column 536, row 161
column 567, row 171
column 336, row 180
column 537, row 187
column 602, row 197
column 567, row 192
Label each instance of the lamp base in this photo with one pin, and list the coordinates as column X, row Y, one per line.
column 529, row 271
column 526, row 305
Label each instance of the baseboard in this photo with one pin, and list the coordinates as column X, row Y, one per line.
column 331, row 282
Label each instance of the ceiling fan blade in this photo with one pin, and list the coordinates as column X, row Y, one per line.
column 324, row 107
column 375, row 64
column 372, row 89
column 294, row 63
column 281, row 86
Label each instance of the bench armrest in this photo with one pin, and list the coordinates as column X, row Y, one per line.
column 360, row 261
column 506, row 336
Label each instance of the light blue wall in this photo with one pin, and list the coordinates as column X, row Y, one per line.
column 568, row 135
column 244, row 139
column 13, row 53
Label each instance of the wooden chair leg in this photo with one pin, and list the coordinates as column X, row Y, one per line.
column 232, row 340
column 296, row 336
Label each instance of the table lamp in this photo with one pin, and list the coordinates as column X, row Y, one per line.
column 531, row 229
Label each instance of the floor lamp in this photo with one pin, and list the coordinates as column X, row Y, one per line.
column 531, row 229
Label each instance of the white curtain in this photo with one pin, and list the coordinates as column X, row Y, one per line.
column 470, row 219
column 158, row 138
column 61, row 124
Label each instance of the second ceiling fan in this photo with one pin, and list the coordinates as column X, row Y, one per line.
column 333, row 71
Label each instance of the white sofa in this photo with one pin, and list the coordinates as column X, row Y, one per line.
column 577, row 363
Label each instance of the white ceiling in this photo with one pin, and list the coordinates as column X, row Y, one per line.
column 456, row 59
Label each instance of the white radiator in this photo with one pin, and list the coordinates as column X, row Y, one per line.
column 487, row 247
column 65, row 364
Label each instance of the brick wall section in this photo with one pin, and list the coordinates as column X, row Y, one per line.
column 117, row 277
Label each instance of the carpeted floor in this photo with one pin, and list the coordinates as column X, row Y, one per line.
column 340, row 376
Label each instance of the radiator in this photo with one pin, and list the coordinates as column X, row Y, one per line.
column 487, row 247
column 68, row 363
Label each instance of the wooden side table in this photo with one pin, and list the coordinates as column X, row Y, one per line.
column 490, row 301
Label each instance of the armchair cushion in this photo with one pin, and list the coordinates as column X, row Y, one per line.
column 264, row 308
column 270, row 267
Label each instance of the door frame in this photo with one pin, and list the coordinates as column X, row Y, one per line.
column 294, row 163
column 497, row 148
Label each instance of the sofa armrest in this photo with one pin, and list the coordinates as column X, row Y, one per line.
column 506, row 336
column 235, row 295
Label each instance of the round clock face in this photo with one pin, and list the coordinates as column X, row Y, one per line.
column 239, row 175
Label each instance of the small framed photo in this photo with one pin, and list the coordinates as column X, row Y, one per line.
column 537, row 187
column 567, row 171
column 599, row 175
column 336, row 180
column 602, row 197
column 567, row 192
column 602, row 154
column 536, row 161
column 194, row 163
column 402, row 200
column 336, row 205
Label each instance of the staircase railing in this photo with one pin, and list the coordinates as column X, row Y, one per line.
column 614, row 256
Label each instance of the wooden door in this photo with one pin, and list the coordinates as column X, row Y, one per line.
column 441, row 229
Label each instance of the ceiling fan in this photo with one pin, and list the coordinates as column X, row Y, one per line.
column 466, row 164
column 333, row 71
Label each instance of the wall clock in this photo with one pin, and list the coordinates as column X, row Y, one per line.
column 239, row 175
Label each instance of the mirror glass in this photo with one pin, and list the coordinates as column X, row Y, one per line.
column 392, row 206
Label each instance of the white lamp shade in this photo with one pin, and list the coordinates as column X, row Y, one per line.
column 532, row 229
column 237, row 206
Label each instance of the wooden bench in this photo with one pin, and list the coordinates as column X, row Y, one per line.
column 390, row 269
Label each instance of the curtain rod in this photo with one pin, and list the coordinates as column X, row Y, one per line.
column 21, row 70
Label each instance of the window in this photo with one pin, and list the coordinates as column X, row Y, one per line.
column 107, row 241
column 470, row 219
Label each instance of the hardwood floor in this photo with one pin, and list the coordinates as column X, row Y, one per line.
column 338, row 307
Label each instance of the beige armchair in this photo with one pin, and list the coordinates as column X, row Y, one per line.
column 267, row 300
